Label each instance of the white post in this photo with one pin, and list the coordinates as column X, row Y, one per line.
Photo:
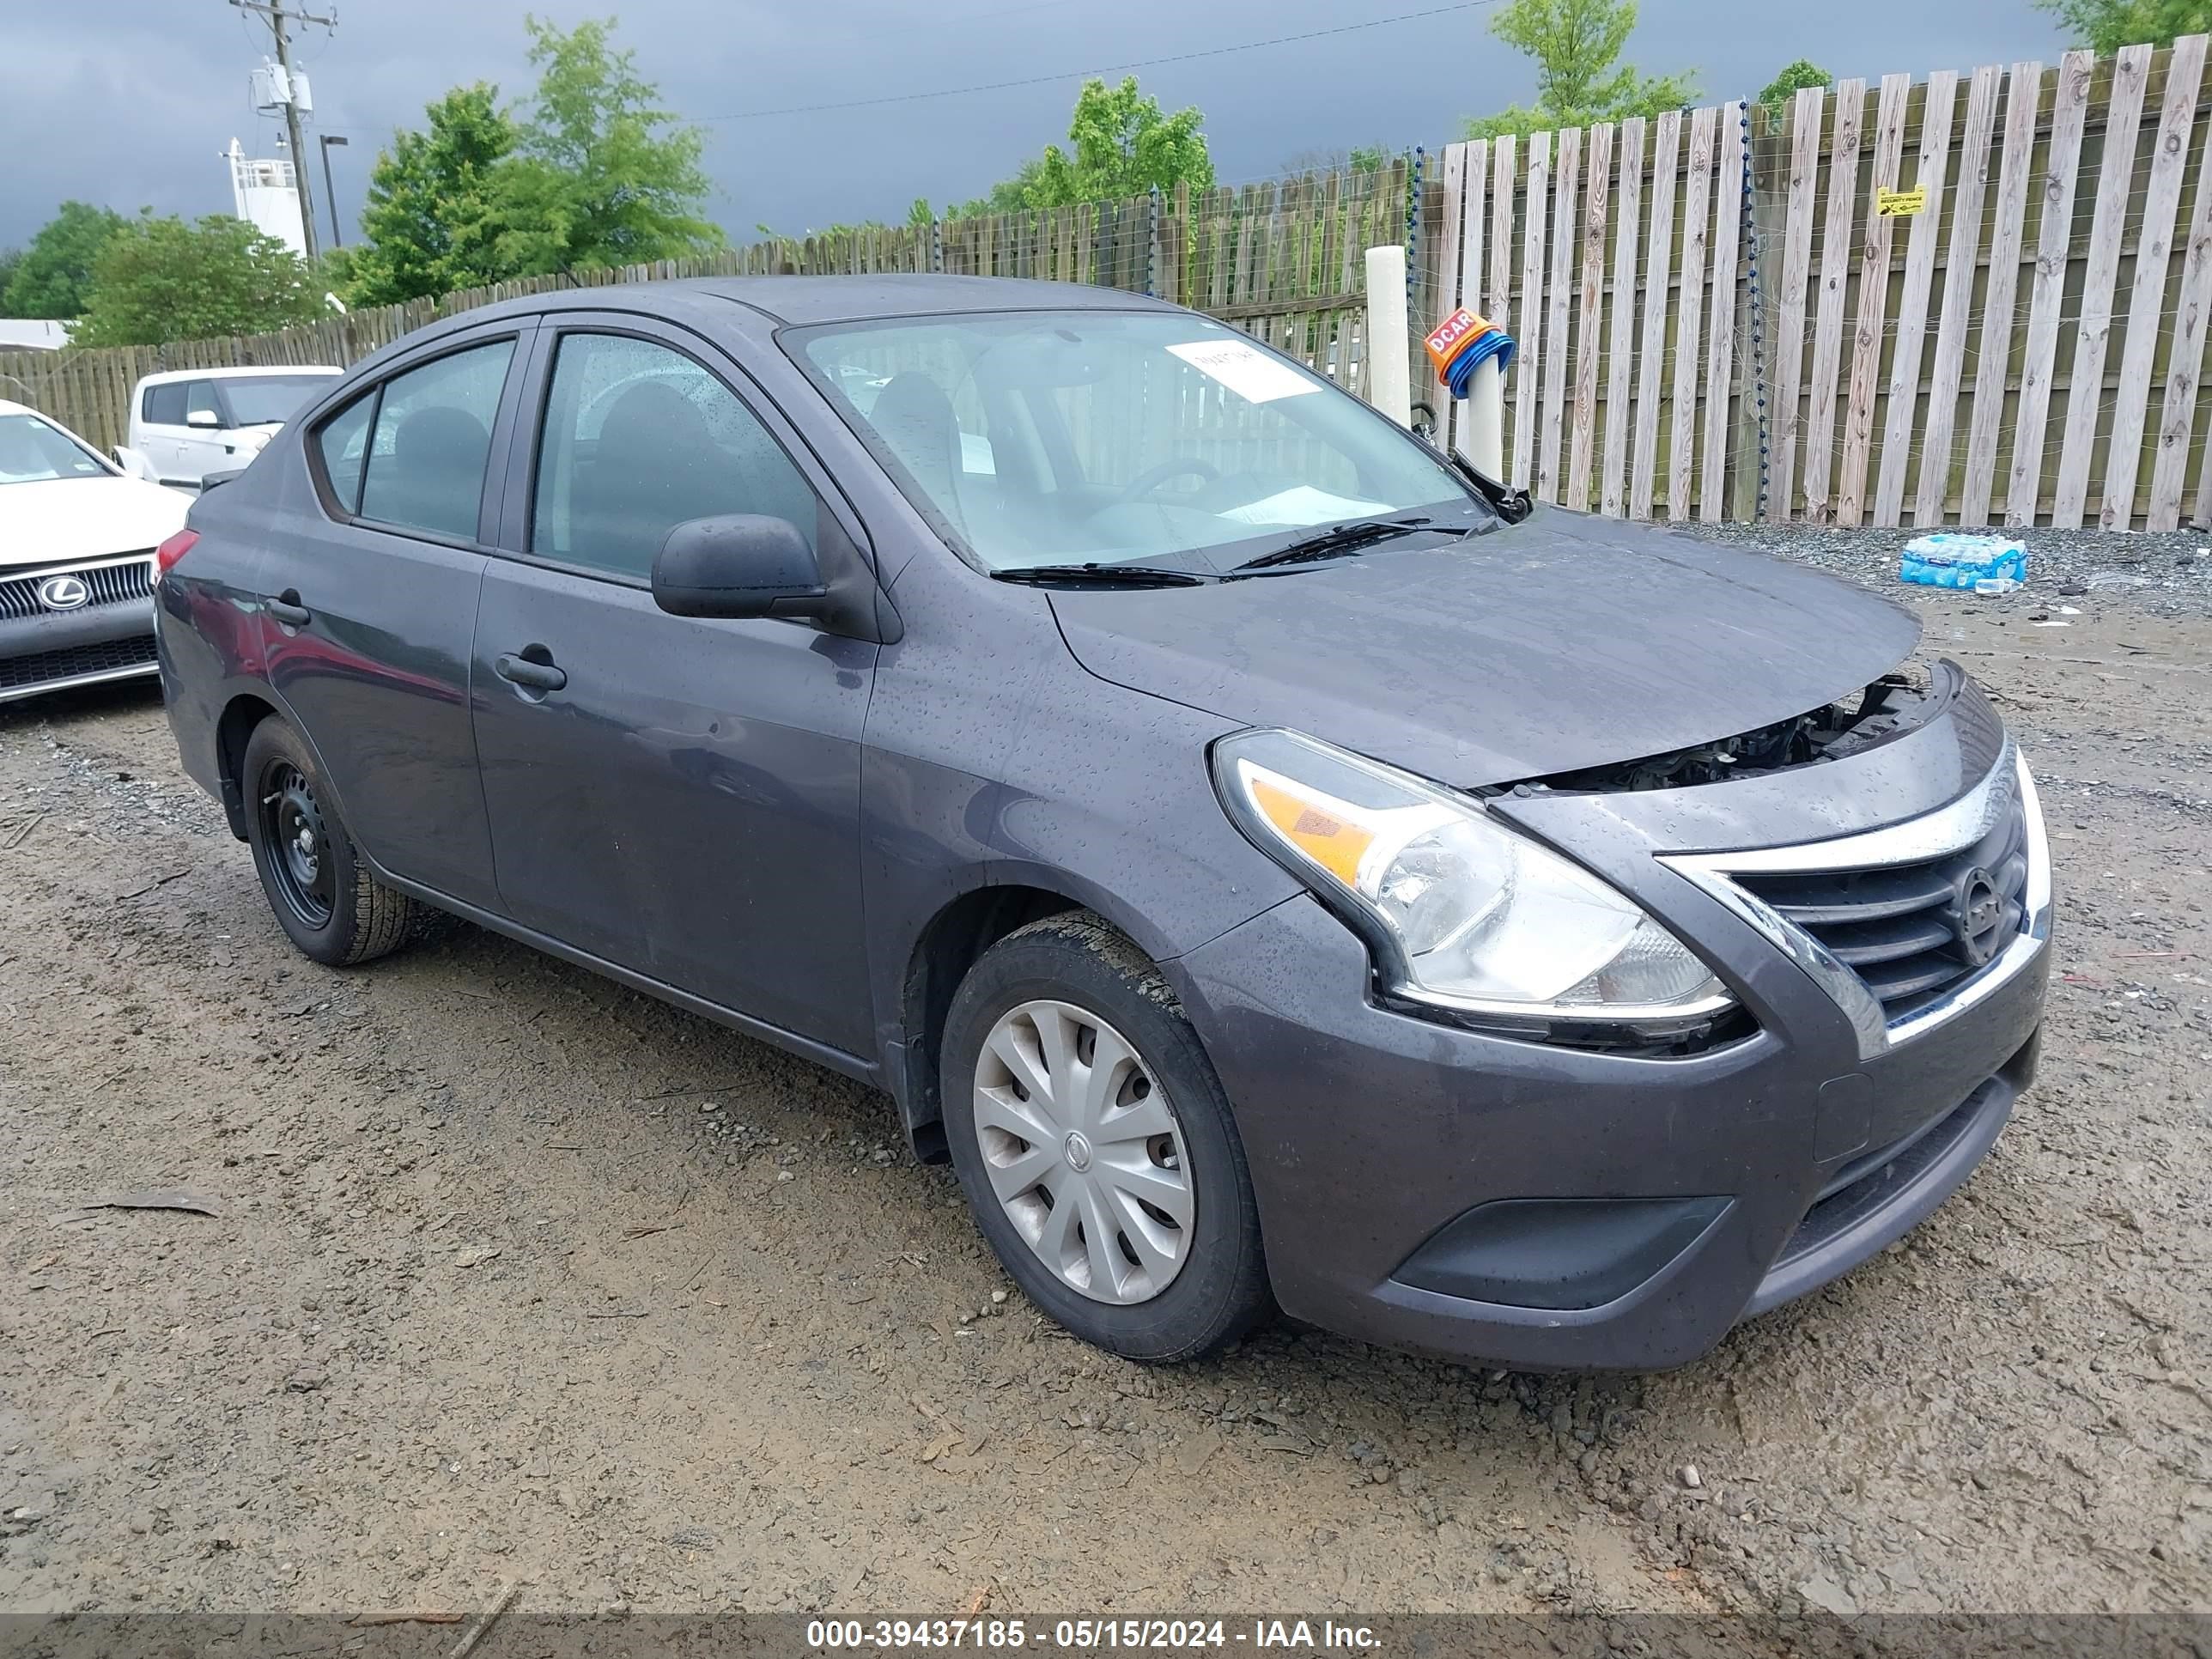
column 1482, row 424
column 1390, row 385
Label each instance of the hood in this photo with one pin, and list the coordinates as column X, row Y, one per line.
column 1560, row 643
column 57, row 520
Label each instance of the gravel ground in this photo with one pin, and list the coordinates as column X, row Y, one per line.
column 2166, row 574
column 517, row 1275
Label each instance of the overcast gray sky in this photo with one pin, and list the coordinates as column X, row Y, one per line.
column 130, row 102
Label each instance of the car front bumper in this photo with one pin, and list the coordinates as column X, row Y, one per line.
column 109, row 636
column 1425, row 1186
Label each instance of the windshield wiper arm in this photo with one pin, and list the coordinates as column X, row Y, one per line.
column 1102, row 576
column 1337, row 538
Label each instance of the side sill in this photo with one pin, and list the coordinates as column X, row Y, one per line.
column 822, row 1054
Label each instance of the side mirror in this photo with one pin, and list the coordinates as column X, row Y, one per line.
column 134, row 465
column 207, row 419
column 738, row 564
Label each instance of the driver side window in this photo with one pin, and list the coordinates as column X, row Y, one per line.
column 638, row 439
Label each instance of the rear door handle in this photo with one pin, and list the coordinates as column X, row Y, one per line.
column 287, row 609
column 537, row 676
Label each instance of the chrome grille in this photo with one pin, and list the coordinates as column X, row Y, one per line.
column 1890, row 922
column 113, row 583
column 1901, row 928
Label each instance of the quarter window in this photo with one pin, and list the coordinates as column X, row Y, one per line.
column 637, row 439
column 426, row 460
column 165, row 404
column 344, row 444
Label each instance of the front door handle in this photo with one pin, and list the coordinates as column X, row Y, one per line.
column 537, row 676
column 287, row 609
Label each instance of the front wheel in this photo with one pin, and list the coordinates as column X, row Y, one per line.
column 1096, row 1145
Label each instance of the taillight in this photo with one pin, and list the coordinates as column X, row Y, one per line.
column 166, row 555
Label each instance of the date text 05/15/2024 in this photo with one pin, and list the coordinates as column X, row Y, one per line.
column 1088, row 1635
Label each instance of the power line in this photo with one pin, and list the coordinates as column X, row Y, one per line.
column 1104, row 68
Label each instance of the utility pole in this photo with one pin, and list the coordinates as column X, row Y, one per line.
column 278, row 17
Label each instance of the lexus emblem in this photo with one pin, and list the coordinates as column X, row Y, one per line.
column 64, row 593
column 1976, row 916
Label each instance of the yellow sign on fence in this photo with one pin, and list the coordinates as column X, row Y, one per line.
column 1900, row 204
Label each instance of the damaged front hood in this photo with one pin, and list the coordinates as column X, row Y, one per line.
column 1564, row 642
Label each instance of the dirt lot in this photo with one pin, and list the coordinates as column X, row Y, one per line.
column 518, row 1275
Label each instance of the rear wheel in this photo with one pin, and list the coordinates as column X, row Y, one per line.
column 325, row 899
column 1096, row 1147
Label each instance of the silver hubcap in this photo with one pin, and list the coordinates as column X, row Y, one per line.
column 1084, row 1151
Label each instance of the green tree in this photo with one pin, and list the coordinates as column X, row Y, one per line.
column 11, row 260
column 161, row 279
column 55, row 272
column 604, row 175
column 1794, row 79
column 1580, row 78
column 1122, row 144
column 438, row 205
column 2105, row 26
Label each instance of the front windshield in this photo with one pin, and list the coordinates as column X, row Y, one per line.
column 270, row 399
column 1118, row 437
column 33, row 452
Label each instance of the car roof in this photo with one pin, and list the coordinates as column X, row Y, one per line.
column 233, row 373
column 805, row 299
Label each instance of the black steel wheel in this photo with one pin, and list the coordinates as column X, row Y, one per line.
column 318, row 884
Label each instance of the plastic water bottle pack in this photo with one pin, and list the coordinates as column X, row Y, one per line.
column 1987, row 564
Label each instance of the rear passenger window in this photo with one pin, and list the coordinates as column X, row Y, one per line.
column 342, row 443
column 426, row 459
column 165, row 404
column 637, row 439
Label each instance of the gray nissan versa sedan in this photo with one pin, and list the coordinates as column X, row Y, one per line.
column 1276, row 865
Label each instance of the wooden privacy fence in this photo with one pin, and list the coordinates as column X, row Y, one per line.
column 1614, row 258
column 1280, row 260
column 1974, row 299
column 2027, row 346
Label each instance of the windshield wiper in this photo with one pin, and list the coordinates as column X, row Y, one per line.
column 1347, row 538
column 1102, row 576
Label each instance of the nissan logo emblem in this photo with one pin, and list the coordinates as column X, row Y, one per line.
column 64, row 593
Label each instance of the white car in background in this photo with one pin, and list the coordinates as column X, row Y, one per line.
column 188, row 423
column 78, row 537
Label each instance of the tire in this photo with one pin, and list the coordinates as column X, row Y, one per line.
column 1178, row 1278
column 325, row 898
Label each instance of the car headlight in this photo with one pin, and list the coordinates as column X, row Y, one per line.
column 1463, row 913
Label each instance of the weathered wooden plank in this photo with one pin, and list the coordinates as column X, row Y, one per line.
column 1730, row 194
column 1845, row 136
column 1498, row 294
column 1937, row 110
column 2100, row 281
column 1658, row 265
column 1867, row 336
column 2169, row 161
column 1536, row 185
column 1620, row 332
column 1975, row 162
column 1697, row 215
column 1472, row 230
column 2023, row 101
column 1800, row 209
column 1451, row 180
column 1560, row 304
column 2178, row 415
column 1596, row 200
column 2054, row 235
